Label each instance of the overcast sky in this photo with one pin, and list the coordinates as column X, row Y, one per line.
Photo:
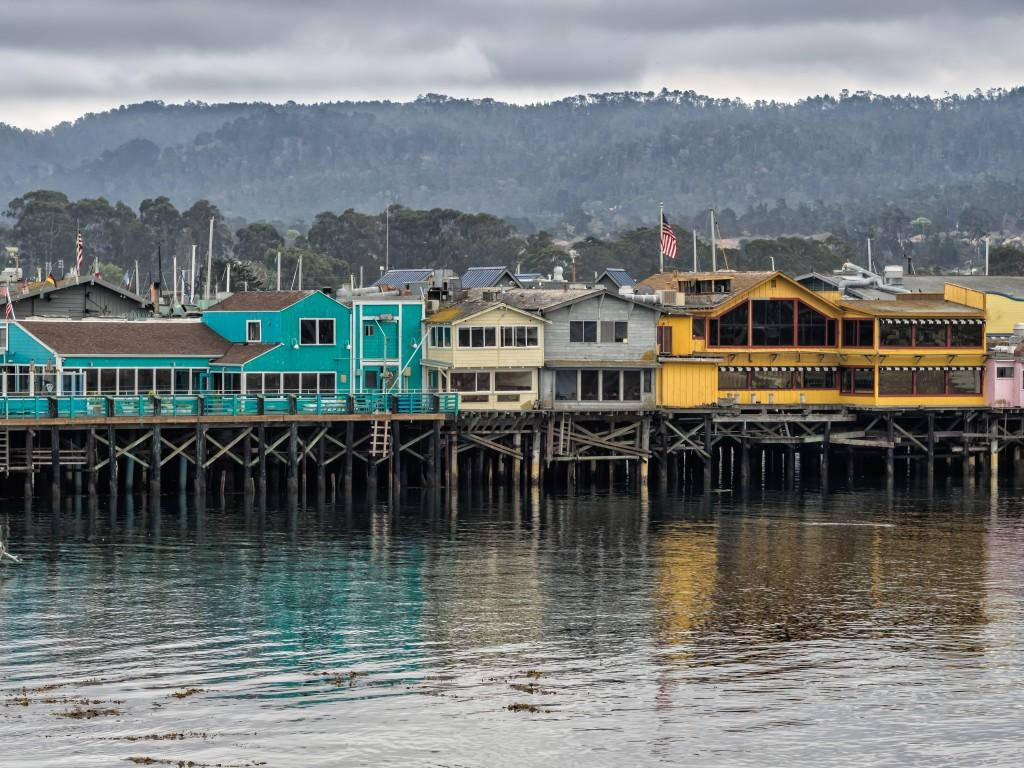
column 61, row 58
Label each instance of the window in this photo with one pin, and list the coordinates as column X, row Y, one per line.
column 858, row 333
column 614, row 331
column 812, row 327
column 369, row 330
column 513, row 381
column 698, row 327
column 583, row 331
column 145, row 380
column 478, row 336
column 253, row 383
column 930, row 381
column 519, row 336
column 631, row 385
column 931, row 335
column 859, row 381
column 272, row 383
column 308, row 382
column 611, row 381
column 126, row 381
column 162, row 379
column 565, row 385
column 732, row 379
column 732, row 327
column 108, row 381
column 648, row 381
column 895, row 334
column 441, row 336
column 965, row 382
column 290, row 383
column 326, row 383
column 967, row 335
column 772, row 323
column 3, row 337
column 470, row 381
column 811, row 379
column 317, row 331
column 894, row 382
column 371, row 380
column 766, row 378
column 664, row 339
column 589, row 385
column 1004, row 372
column 253, row 330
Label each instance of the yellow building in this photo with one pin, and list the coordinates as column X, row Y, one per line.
column 763, row 338
column 488, row 351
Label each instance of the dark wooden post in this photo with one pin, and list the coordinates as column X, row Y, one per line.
column 790, row 466
column 321, row 469
column 826, row 444
column 293, row 460
column 890, row 451
column 90, row 464
column 396, row 462
column 350, row 438
column 434, row 455
column 247, row 484
column 708, row 460
column 745, row 462
column 55, row 467
column 200, row 481
column 931, row 450
column 155, row 459
column 261, row 464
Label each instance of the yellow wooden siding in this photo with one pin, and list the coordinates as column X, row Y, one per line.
column 1002, row 313
column 682, row 333
column 687, row 384
column 966, row 296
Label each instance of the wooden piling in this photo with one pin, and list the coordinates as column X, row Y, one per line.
column 155, row 462
column 930, row 459
column 293, row 465
column 55, row 467
column 90, row 464
column 349, row 456
column 826, row 444
column 261, row 465
column 200, row 468
column 321, row 467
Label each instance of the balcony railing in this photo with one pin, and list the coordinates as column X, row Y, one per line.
column 100, row 406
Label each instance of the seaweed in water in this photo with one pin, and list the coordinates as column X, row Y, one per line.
column 185, row 693
column 88, row 713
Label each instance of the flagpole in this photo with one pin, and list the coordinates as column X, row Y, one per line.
column 661, row 226
column 694, row 249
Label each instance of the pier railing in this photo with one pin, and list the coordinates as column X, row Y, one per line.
column 99, row 406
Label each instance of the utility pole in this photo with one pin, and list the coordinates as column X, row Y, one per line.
column 279, row 270
column 869, row 256
column 714, row 255
column 661, row 227
column 174, row 279
column 192, row 277
column 209, row 262
column 387, row 237
column 986, row 254
column 695, row 250
column 300, row 270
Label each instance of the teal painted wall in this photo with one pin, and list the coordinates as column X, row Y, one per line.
column 393, row 341
column 135, row 362
column 23, row 349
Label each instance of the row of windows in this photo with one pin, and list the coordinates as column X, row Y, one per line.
column 930, row 335
column 922, row 381
column 602, row 386
column 25, row 380
column 490, row 381
column 487, row 336
column 586, row 331
column 766, row 378
column 316, row 331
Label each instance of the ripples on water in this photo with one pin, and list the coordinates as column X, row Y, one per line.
column 784, row 630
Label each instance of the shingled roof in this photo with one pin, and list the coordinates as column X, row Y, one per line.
column 739, row 282
column 399, row 278
column 166, row 338
column 487, row 277
column 240, row 354
column 259, row 301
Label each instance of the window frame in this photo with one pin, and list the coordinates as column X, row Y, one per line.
column 316, row 331
column 583, row 325
column 249, row 324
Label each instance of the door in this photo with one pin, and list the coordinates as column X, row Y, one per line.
column 73, row 383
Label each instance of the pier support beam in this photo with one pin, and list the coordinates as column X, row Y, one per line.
column 931, row 451
column 90, row 465
column 261, row 465
column 293, row 466
column 396, row 463
column 200, row 479
column 349, row 456
column 155, row 462
column 55, row 468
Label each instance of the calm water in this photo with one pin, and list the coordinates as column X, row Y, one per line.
column 784, row 630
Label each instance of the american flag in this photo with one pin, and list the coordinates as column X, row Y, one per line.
column 79, row 254
column 668, row 239
column 9, row 310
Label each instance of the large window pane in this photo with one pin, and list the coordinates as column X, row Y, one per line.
column 864, row 380
column 928, row 335
column 464, row 337
column 565, row 385
column 108, row 381
column 463, row 382
column 732, row 379
column 895, row 382
column 308, row 382
column 162, row 377
column 513, row 381
column 772, row 324
column 253, row 383
column 126, row 381
column 812, row 327
column 325, row 331
column 765, row 379
column 631, row 385
column 894, row 334
column 732, row 327
column 145, row 381
column 967, row 335
column 930, row 382
column 307, row 331
column 290, row 382
column 965, row 382
column 610, row 383
column 819, row 379
column 589, row 385
column 327, row 383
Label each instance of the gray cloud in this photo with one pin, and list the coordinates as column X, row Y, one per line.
column 64, row 57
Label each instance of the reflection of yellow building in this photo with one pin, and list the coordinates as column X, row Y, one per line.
column 761, row 337
column 687, row 565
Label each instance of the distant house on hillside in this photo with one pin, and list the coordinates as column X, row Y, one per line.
column 404, row 279
column 613, row 279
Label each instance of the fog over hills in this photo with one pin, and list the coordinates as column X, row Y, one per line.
column 603, row 160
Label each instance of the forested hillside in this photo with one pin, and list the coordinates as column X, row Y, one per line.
column 595, row 164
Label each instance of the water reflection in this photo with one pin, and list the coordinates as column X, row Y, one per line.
column 787, row 627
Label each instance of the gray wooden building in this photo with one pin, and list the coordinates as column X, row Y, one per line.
column 71, row 299
column 599, row 349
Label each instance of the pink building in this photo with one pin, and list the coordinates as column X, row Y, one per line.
column 1004, row 381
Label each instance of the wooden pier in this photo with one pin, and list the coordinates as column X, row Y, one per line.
column 339, row 455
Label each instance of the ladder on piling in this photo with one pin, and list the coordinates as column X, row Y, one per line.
column 380, row 438
column 563, row 435
column 5, row 451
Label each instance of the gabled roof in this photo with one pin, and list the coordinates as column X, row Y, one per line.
column 472, row 307
column 30, row 290
column 397, row 278
column 159, row 338
column 619, row 277
column 912, row 305
column 545, row 300
column 487, row 277
column 240, row 354
column 740, row 282
column 260, row 301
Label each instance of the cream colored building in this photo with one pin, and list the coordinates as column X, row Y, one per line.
column 489, row 352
